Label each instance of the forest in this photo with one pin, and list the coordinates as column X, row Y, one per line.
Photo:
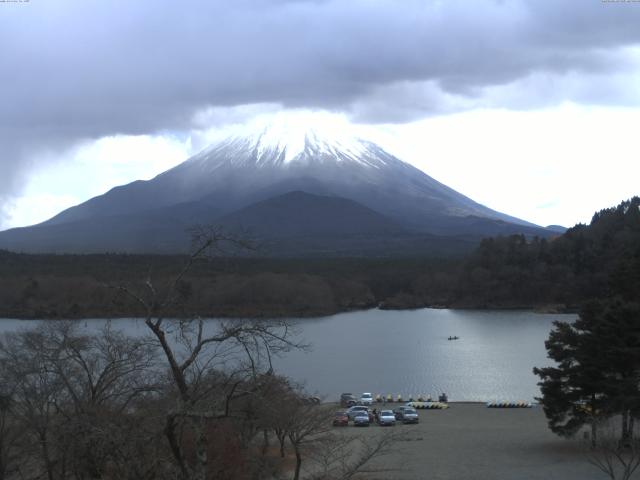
column 558, row 274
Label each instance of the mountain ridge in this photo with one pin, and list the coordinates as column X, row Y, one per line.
column 242, row 171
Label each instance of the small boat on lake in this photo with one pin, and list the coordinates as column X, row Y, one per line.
column 453, row 338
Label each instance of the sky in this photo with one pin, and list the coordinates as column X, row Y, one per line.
column 530, row 107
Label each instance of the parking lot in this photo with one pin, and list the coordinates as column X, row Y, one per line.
column 471, row 441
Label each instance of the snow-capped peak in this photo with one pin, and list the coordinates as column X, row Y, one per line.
column 286, row 138
column 294, row 135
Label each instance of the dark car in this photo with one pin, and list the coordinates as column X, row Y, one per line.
column 340, row 419
column 406, row 415
column 348, row 400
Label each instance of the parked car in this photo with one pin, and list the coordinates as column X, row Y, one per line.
column 386, row 417
column 347, row 400
column 406, row 415
column 340, row 419
column 352, row 411
column 361, row 419
column 366, row 399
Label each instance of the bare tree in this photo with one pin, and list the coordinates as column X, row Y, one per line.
column 102, row 374
column 341, row 456
column 276, row 401
column 10, row 434
column 193, row 348
column 73, row 395
column 36, row 392
column 617, row 459
column 307, row 427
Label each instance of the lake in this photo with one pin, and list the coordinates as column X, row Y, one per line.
column 407, row 352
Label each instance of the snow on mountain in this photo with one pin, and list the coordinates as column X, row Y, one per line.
column 314, row 154
column 287, row 140
column 311, row 184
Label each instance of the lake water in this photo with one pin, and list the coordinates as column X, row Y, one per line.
column 407, row 352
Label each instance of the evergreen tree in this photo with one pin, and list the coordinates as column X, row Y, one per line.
column 619, row 333
column 598, row 369
column 573, row 392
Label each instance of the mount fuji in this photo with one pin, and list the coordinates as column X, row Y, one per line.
column 301, row 189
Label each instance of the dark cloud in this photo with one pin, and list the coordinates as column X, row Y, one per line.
column 82, row 69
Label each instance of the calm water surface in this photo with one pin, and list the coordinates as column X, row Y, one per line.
column 407, row 352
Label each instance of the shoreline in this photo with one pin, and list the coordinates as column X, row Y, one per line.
column 431, row 364
column 306, row 314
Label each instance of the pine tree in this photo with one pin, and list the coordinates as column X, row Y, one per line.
column 598, row 369
column 573, row 392
column 619, row 332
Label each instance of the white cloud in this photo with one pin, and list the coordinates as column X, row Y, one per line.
column 554, row 166
column 112, row 161
column 91, row 169
column 36, row 207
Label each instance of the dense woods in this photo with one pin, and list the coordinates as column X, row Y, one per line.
column 504, row 272
column 67, row 286
column 588, row 261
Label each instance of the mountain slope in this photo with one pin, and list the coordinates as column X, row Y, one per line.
column 245, row 170
column 242, row 170
column 162, row 230
column 297, row 214
column 294, row 224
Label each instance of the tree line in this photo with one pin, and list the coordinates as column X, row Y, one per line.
column 588, row 261
column 561, row 273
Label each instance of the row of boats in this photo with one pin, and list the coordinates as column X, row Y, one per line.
column 519, row 404
column 442, row 398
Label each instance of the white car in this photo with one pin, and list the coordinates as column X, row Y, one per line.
column 366, row 399
column 386, row 417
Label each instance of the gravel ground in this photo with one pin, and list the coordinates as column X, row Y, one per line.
column 471, row 441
